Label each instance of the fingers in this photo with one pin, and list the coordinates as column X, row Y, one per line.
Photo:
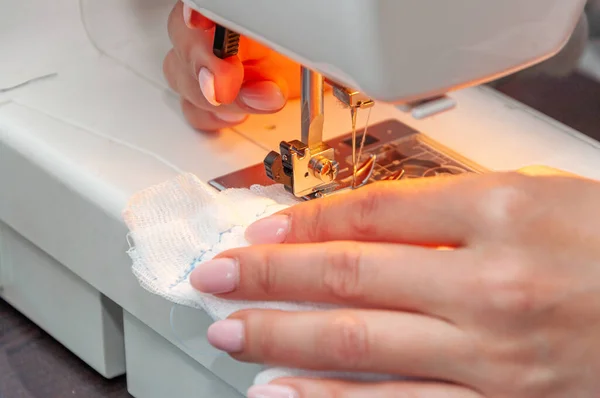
column 258, row 80
column 313, row 388
column 435, row 211
column 450, row 211
column 196, row 104
column 357, row 341
column 203, row 120
column 182, row 82
column 221, row 78
column 195, row 20
column 409, row 278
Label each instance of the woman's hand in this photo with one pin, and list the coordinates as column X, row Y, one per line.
column 510, row 308
column 218, row 93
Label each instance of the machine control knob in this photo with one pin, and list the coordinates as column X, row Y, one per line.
column 274, row 166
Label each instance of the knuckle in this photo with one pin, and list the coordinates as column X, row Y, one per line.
column 266, row 340
column 267, row 347
column 515, row 360
column 538, row 380
column 363, row 219
column 343, row 272
column 345, row 341
column 266, row 276
column 518, row 369
column 509, row 287
column 506, row 202
column 508, row 353
column 326, row 220
column 315, row 231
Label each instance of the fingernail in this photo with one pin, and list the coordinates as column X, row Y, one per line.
column 227, row 335
column 216, row 276
column 268, row 230
column 262, row 96
column 207, row 85
column 194, row 20
column 272, row 391
column 231, row 117
column 187, row 16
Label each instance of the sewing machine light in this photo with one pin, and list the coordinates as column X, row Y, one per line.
column 308, row 167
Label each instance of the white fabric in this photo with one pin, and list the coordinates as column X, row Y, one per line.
column 179, row 224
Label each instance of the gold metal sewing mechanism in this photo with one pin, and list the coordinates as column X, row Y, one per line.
column 308, row 168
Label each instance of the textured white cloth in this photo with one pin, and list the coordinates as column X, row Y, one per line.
column 179, row 224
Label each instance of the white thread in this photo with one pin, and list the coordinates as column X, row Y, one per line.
column 27, row 82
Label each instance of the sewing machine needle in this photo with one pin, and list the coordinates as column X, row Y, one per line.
column 364, row 136
column 356, row 158
column 353, row 112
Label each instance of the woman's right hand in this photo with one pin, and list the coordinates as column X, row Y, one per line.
column 217, row 93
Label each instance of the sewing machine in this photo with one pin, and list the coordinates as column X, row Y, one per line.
column 375, row 50
column 70, row 156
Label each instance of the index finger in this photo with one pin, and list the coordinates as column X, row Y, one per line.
column 434, row 211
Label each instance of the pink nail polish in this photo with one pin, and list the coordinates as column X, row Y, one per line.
column 231, row 117
column 216, row 276
column 207, row 85
column 227, row 335
column 187, row 16
column 262, row 96
column 272, row 391
column 194, row 20
column 270, row 230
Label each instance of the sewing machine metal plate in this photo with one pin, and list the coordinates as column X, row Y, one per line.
column 400, row 153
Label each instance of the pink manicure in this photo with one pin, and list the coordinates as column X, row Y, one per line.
column 207, row 86
column 263, row 96
column 231, row 117
column 187, row 16
column 194, row 20
column 227, row 335
column 271, row 391
column 270, row 230
column 216, row 276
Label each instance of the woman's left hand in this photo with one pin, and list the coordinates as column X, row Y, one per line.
column 511, row 310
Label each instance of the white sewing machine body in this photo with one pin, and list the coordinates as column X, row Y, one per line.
column 400, row 51
column 368, row 50
column 70, row 157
